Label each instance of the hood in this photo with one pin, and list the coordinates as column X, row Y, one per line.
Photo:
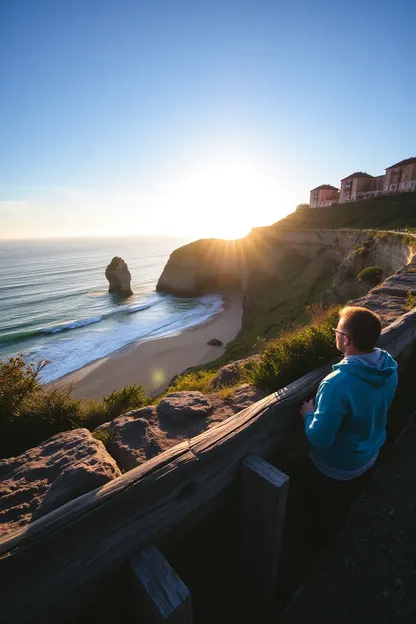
column 376, row 371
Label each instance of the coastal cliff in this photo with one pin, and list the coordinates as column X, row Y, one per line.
column 214, row 264
column 204, row 265
column 281, row 272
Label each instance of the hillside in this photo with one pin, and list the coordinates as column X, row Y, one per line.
column 382, row 213
column 282, row 270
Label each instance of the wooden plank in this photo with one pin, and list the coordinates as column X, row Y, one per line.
column 62, row 557
column 264, row 491
column 159, row 594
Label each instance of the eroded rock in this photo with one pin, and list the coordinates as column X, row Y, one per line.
column 389, row 308
column 244, row 396
column 133, row 439
column 118, row 276
column 45, row 477
column 178, row 406
column 232, row 373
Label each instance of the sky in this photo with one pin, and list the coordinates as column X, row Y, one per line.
column 191, row 117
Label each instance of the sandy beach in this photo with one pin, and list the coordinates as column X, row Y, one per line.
column 154, row 362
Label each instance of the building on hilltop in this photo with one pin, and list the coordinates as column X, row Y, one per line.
column 401, row 177
column 355, row 186
column 324, row 195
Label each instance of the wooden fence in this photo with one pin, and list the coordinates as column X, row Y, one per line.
column 50, row 567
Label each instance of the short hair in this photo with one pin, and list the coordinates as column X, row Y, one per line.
column 362, row 326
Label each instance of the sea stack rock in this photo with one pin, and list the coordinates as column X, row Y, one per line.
column 119, row 277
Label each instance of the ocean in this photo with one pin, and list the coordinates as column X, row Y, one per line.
column 55, row 305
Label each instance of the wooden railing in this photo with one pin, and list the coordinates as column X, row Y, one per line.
column 50, row 567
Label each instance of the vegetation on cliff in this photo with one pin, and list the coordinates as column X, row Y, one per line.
column 381, row 213
column 370, row 275
column 296, row 353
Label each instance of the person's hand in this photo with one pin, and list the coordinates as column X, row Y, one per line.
column 307, row 406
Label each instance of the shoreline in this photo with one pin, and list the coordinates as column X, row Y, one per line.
column 155, row 361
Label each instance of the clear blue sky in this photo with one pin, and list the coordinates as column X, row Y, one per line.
column 151, row 116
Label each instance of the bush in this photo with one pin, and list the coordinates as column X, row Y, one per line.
column 198, row 380
column 410, row 300
column 18, row 381
column 370, row 275
column 128, row 398
column 293, row 355
column 31, row 413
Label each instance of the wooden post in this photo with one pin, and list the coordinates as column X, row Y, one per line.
column 264, row 493
column 161, row 594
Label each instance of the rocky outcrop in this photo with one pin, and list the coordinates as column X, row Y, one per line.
column 141, row 434
column 389, row 299
column 215, row 342
column 179, row 406
column 43, row 478
column 244, row 396
column 133, row 437
column 119, row 277
column 203, row 266
column 232, row 373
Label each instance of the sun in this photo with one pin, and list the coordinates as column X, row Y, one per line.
column 225, row 196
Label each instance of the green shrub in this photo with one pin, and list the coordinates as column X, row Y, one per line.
column 18, row 381
column 410, row 300
column 31, row 413
column 92, row 413
column 128, row 398
column 293, row 355
column 103, row 436
column 370, row 275
column 198, row 380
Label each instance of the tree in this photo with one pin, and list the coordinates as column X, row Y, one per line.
column 302, row 207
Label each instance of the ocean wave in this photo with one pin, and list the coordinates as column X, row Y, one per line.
column 54, row 329
column 138, row 308
column 24, row 334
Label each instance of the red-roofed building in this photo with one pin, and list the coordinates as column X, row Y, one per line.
column 324, row 195
column 401, row 177
column 355, row 186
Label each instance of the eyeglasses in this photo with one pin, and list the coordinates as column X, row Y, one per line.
column 339, row 332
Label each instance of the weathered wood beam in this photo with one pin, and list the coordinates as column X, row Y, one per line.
column 159, row 594
column 60, row 558
column 264, row 491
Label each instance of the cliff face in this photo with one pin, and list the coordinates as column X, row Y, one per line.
column 282, row 272
column 212, row 264
column 205, row 265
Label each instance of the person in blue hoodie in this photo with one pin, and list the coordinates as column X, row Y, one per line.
column 346, row 423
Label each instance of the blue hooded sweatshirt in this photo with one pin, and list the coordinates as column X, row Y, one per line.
column 348, row 426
